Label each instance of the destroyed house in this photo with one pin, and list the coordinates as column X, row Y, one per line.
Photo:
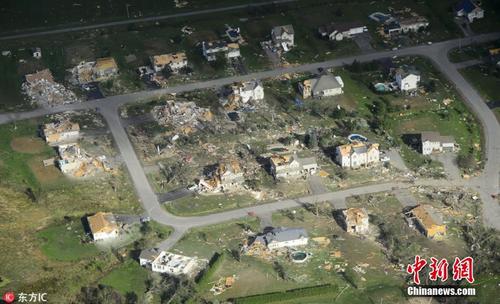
column 62, row 131
column 469, row 9
column 428, row 220
column 413, row 24
column 292, row 166
column 71, row 158
column 173, row 61
column 246, row 91
column 282, row 237
column 322, row 86
column 102, row 226
column 43, row 75
column 355, row 220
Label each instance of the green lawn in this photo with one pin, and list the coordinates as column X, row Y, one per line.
column 486, row 83
column 64, row 242
column 127, row 278
column 206, row 204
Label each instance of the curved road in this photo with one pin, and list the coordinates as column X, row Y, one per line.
column 486, row 184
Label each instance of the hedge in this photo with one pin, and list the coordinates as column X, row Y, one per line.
column 212, row 267
column 292, row 294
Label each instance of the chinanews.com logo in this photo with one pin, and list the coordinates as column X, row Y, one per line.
column 22, row 297
column 462, row 269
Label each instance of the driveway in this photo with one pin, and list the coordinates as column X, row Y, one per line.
column 396, row 160
column 449, row 163
column 364, row 42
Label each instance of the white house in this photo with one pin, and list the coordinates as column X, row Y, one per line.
column 283, row 36
column 170, row 263
column 470, row 10
column 212, row 48
column 36, row 52
column 357, row 154
column 282, row 237
column 433, row 142
column 342, row 31
column 225, row 176
column 413, row 24
column 292, row 166
column 322, row 86
column 71, row 158
column 173, row 61
column 249, row 90
column 103, row 226
column 407, row 79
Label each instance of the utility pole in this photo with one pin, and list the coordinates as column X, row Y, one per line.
column 126, row 6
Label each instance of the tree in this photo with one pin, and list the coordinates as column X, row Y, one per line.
column 466, row 161
column 131, row 298
column 280, row 270
column 236, row 254
column 312, row 139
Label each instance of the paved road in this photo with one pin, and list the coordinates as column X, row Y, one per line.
column 488, row 183
column 139, row 20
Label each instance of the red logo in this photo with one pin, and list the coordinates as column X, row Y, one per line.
column 462, row 269
column 9, row 297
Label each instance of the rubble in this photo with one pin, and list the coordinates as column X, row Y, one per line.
column 73, row 161
column 42, row 89
column 186, row 117
column 222, row 285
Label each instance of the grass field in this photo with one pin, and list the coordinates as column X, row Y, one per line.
column 128, row 277
column 474, row 51
column 64, row 242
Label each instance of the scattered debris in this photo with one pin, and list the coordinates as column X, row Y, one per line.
column 42, row 89
column 185, row 117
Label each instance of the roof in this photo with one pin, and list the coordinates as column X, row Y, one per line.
column 106, row 63
column 233, row 45
column 102, row 222
column 215, row 44
column 413, row 20
column 355, row 216
column 323, row 82
column 279, row 30
column 356, row 147
column 340, row 27
column 435, row 137
column 169, row 58
column 282, row 234
column 427, row 215
column 406, row 70
column 467, row 6
column 43, row 74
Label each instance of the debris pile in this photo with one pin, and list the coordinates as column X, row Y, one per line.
column 75, row 162
column 42, row 89
column 222, row 285
column 186, row 117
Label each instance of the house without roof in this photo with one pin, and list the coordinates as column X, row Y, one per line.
column 172, row 61
column 340, row 31
column 103, row 226
column 63, row 131
column 428, row 220
column 357, row 154
column 321, row 86
column 470, row 10
column 105, row 68
column 283, row 36
column 282, row 237
column 170, row 263
column 355, row 220
column 225, row 176
column 212, row 48
column 433, row 142
column 407, row 78
column 292, row 166
column 248, row 90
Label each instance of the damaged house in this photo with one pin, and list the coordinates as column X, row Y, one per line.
column 73, row 161
column 224, row 177
column 279, row 238
column 59, row 132
column 433, row 142
column 103, row 226
column 212, row 48
column 407, row 78
column 357, row 154
column 324, row 85
column 292, row 166
column 283, row 37
column 355, row 220
column 243, row 93
column 427, row 220
column 105, row 68
column 173, row 62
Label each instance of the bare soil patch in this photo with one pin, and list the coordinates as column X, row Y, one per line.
column 29, row 145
